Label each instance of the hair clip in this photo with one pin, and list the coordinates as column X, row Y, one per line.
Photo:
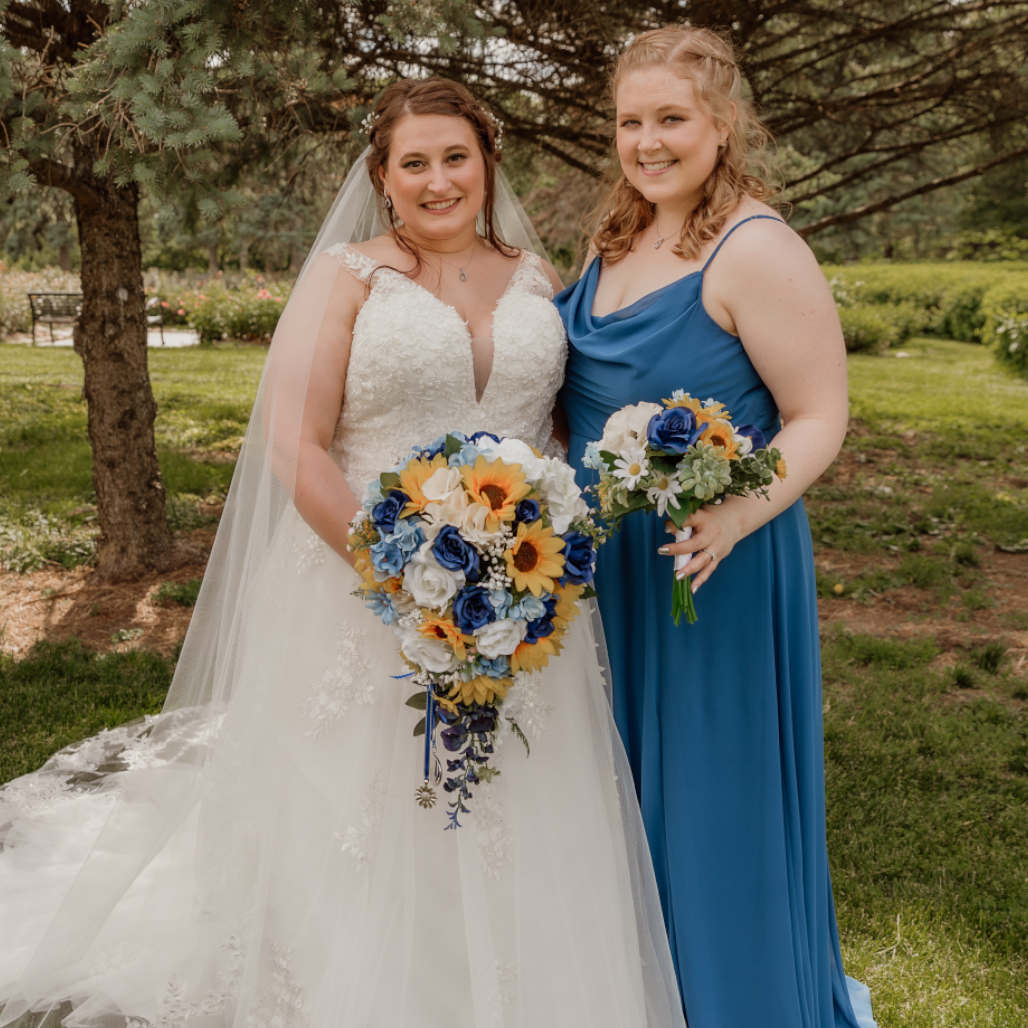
column 368, row 123
column 497, row 130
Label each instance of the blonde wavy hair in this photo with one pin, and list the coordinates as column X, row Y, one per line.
column 707, row 60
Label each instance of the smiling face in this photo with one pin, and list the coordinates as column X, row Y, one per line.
column 435, row 176
column 667, row 140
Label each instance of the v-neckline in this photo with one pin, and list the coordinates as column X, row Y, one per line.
column 479, row 396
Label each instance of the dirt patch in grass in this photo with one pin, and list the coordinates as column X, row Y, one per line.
column 58, row 604
column 906, row 611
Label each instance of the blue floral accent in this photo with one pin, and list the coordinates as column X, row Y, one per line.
column 385, row 513
column 527, row 511
column 495, row 667
column 387, row 558
column 456, row 554
column 479, row 436
column 381, row 605
column 501, row 601
column 579, row 559
column 408, row 536
column 433, row 449
column 542, row 626
column 591, row 456
column 472, row 609
column 529, row 607
column 754, row 435
column 467, row 454
column 673, row 430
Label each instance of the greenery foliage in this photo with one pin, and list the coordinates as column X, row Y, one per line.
column 883, row 304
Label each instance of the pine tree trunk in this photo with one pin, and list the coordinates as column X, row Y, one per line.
column 110, row 337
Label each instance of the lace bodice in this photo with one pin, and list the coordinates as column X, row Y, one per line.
column 411, row 374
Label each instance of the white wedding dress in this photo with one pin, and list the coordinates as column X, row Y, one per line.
column 264, row 863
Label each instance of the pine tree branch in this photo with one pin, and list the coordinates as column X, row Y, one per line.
column 844, row 217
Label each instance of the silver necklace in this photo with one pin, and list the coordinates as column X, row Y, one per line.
column 462, row 269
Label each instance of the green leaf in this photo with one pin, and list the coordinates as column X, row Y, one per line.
column 419, row 728
column 679, row 515
column 389, row 480
column 516, row 729
column 452, row 446
column 419, row 701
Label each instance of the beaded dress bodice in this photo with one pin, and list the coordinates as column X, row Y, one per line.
column 411, row 376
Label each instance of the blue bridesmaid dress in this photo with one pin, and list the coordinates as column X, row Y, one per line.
column 721, row 719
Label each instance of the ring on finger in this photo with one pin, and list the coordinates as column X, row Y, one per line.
column 712, row 555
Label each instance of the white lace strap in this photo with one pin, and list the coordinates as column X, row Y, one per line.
column 531, row 277
column 360, row 264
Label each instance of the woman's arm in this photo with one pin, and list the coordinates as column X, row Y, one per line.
column 305, row 415
column 767, row 285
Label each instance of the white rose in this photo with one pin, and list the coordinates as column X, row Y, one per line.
column 514, row 451
column 430, row 654
column 472, row 525
column 561, row 494
column 500, row 638
column 429, row 583
column 441, row 484
column 451, row 509
column 627, row 427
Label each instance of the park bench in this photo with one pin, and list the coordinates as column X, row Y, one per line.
column 64, row 308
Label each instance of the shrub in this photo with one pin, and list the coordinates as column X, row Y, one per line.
column 868, row 328
column 1005, row 310
column 15, row 313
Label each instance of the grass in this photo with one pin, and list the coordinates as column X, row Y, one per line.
column 47, row 505
column 926, row 733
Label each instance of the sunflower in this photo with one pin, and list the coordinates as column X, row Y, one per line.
column 719, row 433
column 534, row 559
column 414, row 476
column 481, row 689
column 446, row 631
column 567, row 605
column 497, row 486
column 704, row 415
column 533, row 656
column 780, row 467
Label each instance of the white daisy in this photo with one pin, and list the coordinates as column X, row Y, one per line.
column 664, row 493
column 630, row 466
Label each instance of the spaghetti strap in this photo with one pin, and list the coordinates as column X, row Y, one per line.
column 724, row 238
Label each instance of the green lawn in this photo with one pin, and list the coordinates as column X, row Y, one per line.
column 921, row 530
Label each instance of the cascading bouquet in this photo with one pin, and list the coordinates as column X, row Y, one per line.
column 476, row 550
column 673, row 458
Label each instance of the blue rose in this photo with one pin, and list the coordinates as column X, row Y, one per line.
column 456, row 554
column 387, row 558
column 384, row 514
column 673, row 431
column 579, row 559
column 543, row 626
column 754, row 435
column 472, row 609
column 527, row 511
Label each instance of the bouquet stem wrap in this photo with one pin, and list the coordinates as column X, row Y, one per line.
column 681, row 591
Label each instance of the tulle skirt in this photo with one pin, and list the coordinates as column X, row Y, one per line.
column 265, row 863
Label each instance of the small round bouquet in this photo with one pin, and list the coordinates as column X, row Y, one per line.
column 476, row 550
column 673, row 457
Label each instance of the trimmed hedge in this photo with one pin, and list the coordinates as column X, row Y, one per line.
column 971, row 301
column 1005, row 310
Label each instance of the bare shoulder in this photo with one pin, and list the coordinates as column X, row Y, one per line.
column 381, row 249
column 765, row 244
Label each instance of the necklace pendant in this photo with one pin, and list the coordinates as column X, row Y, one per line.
column 659, row 243
column 463, row 275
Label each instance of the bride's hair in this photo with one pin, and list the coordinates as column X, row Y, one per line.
column 707, row 60
column 434, row 96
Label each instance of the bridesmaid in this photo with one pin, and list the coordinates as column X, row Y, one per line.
column 695, row 283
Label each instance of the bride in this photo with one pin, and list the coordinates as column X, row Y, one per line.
column 254, row 855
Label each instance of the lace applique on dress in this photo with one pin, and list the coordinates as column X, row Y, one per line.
column 348, row 680
column 280, row 1002
column 356, row 840
column 176, row 1010
column 309, row 547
